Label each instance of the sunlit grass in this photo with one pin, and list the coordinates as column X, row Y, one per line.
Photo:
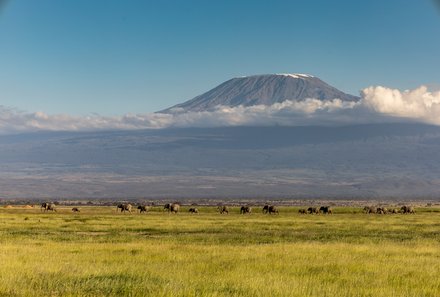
column 99, row 252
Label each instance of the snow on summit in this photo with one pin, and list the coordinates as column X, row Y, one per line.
column 296, row 75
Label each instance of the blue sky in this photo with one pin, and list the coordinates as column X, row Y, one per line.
column 115, row 57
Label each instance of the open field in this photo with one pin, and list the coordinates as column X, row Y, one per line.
column 99, row 252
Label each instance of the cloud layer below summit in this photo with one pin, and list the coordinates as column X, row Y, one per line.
column 377, row 105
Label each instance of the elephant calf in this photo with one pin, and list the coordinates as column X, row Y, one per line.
column 193, row 210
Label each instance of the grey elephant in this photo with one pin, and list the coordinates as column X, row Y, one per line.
column 124, row 207
column 266, row 208
column 326, row 210
column 193, row 210
column 369, row 209
column 143, row 208
column 172, row 207
column 50, row 206
column 245, row 209
column 273, row 209
column 313, row 210
column 223, row 209
column 407, row 209
column 380, row 210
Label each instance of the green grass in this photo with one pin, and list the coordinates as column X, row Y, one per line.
column 99, row 252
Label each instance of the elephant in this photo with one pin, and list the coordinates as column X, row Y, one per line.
column 407, row 209
column 245, row 209
column 193, row 210
column 266, row 208
column 273, row 209
column 326, row 210
column 380, row 210
column 270, row 209
column 50, row 206
column 124, row 207
column 75, row 209
column 223, row 209
column 302, row 211
column 143, row 208
column 369, row 209
column 172, row 207
column 119, row 206
column 313, row 210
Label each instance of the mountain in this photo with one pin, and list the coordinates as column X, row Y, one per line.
column 263, row 90
column 376, row 161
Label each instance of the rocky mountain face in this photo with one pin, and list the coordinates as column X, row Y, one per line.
column 262, row 90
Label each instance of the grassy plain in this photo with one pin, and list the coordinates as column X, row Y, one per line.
column 99, row 252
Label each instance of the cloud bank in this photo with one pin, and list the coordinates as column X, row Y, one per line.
column 377, row 105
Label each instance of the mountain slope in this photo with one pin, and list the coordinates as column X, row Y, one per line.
column 263, row 90
column 376, row 161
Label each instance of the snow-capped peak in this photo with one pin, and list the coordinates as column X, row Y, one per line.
column 296, row 75
column 264, row 89
column 293, row 75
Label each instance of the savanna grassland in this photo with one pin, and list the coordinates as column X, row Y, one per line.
column 99, row 252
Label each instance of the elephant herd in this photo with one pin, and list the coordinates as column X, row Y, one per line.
column 170, row 207
column 175, row 208
column 49, row 206
column 124, row 207
column 383, row 210
column 267, row 209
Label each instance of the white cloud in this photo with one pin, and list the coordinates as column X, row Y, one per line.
column 419, row 104
column 378, row 104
